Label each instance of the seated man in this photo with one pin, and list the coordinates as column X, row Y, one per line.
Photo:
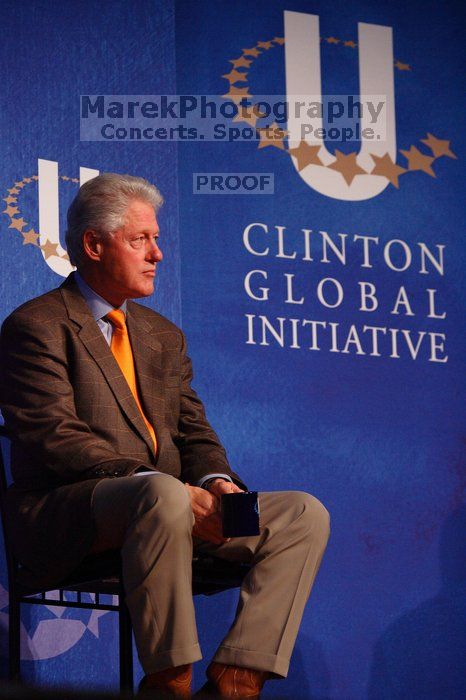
column 112, row 450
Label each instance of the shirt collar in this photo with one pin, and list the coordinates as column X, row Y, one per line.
column 98, row 305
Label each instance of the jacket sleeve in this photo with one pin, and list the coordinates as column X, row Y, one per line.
column 37, row 402
column 200, row 448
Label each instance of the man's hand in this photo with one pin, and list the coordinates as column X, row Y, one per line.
column 206, row 510
column 219, row 486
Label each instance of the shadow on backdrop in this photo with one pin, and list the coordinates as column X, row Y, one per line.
column 422, row 654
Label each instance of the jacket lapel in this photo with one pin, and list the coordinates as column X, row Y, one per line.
column 91, row 336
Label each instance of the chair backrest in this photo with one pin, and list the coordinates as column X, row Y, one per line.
column 5, row 480
column 4, row 471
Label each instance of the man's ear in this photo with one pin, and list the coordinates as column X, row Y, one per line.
column 92, row 245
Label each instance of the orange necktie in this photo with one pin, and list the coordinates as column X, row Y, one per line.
column 121, row 349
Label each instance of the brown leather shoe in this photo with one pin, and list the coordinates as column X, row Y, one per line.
column 173, row 682
column 234, row 681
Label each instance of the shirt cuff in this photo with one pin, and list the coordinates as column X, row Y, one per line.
column 144, row 472
column 202, row 483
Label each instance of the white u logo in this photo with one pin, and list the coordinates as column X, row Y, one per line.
column 49, row 226
column 303, row 77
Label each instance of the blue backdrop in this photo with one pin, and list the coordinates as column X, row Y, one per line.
column 375, row 432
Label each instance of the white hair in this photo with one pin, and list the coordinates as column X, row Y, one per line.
column 101, row 205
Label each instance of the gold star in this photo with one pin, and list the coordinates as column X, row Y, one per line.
column 13, row 190
column 10, row 211
column 236, row 94
column 418, row 161
column 347, row 166
column 387, row 168
column 351, row 44
column 65, row 177
column 438, row 147
column 18, row 224
column 48, row 249
column 251, row 52
column 74, row 179
column 27, row 179
column 272, row 135
column 332, row 40
column 19, row 184
column 402, row 66
column 30, row 237
column 240, row 62
column 10, row 199
column 234, row 76
column 35, row 177
column 250, row 115
column 305, row 155
column 265, row 45
column 279, row 40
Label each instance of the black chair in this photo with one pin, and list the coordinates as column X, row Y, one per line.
column 99, row 575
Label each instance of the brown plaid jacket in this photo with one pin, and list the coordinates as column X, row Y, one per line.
column 74, row 420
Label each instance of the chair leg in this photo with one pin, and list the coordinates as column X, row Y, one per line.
column 126, row 648
column 14, row 640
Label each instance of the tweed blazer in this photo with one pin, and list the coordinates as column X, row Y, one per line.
column 74, row 421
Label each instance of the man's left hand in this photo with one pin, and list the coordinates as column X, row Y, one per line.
column 219, row 486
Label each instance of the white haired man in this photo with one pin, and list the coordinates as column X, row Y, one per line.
column 112, row 450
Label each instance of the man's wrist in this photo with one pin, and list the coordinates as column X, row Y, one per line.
column 210, row 477
column 208, row 484
column 202, row 483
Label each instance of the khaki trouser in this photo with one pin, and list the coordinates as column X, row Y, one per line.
column 149, row 518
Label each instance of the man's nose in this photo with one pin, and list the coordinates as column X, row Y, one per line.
column 153, row 252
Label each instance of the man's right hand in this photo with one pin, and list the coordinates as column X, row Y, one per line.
column 206, row 510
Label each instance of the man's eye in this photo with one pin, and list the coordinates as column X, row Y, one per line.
column 137, row 241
